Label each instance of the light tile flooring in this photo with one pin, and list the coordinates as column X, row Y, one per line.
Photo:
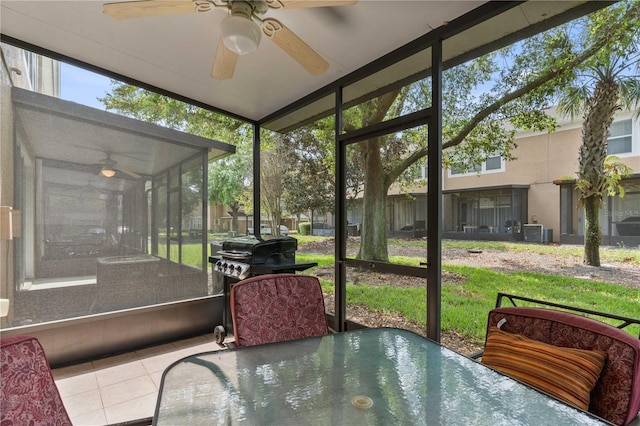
column 123, row 387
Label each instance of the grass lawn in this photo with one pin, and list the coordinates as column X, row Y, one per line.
column 607, row 254
column 465, row 304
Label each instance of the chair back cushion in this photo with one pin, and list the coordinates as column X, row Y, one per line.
column 616, row 395
column 277, row 307
column 28, row 393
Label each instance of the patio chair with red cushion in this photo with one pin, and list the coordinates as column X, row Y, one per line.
column 585, row 362
column 277, row 307
column 28, row 393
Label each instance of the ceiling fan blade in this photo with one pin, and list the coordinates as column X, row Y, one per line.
column 140, row 9
column 129, row 172
column 299, row 4
column 224, row 64
column 294, row 46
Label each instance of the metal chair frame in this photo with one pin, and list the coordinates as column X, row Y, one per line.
column 626, row 321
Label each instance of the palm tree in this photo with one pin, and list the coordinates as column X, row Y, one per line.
column 608, row 84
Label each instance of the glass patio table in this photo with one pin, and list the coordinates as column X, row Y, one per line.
column 378, row 376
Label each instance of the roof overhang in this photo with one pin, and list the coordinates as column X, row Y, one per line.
column 59, row 130
column 385, row 41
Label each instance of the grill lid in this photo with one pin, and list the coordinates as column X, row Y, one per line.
column 272, row 251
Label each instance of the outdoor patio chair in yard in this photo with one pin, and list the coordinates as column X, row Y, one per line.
column 580, row 360
column 277, row 307
column 28, row 393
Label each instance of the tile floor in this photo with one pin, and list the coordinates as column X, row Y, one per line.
column 123, row 387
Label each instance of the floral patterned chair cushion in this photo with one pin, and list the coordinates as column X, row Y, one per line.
column 28, row 393
column 616, row 396
column 277, row 307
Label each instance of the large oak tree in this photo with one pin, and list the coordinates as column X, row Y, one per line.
column 480, row 98
column 512, row 86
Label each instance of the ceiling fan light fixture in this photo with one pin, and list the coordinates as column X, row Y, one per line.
column 108, row 172
column 240, row 34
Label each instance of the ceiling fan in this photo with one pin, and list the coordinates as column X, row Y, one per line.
column 90, row 190
column 241, row 30
column 108, row 168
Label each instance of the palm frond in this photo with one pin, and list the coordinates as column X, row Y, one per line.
column 574, row 100
column 630, row 93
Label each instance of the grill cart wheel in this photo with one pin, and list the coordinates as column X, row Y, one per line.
column 219, row 333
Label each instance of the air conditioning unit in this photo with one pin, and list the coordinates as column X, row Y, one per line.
column 533, row 233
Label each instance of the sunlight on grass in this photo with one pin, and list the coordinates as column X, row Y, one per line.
column 467, row 308
column 191, row 254
column 304, row 239
column 466, row 302
column 408, row 261
column 465, row 305
column 607, row 254
column 323, row 260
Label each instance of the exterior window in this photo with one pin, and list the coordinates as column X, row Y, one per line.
column 460, row 171
column 619, row 141
column 457, row 171
column 493, row 163
column 500, row 211
column 625, row 212
column 619, row 217
column 566, row 208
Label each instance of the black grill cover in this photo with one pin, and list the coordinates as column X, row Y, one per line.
column 274, row 251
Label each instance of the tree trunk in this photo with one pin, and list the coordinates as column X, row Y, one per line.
column 373, row 242
column 593, row 153
column 235, row 209
column 592, row 234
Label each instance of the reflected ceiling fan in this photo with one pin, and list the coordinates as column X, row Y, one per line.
column 241, row 30
column 108, row 168
column 91, row 191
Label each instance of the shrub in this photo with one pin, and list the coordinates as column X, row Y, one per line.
column 304, row 228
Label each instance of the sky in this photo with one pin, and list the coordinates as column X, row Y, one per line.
column 83, row 87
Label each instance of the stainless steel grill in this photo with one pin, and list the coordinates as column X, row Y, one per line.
column 248, row 256
column 245, row 257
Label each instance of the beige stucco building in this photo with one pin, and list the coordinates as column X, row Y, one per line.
column 531, row 198
column 528, row 191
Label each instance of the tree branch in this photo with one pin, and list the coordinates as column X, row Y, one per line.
column 605, row 38
column 405, row 164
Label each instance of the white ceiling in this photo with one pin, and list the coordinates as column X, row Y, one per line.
column 176, row 52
